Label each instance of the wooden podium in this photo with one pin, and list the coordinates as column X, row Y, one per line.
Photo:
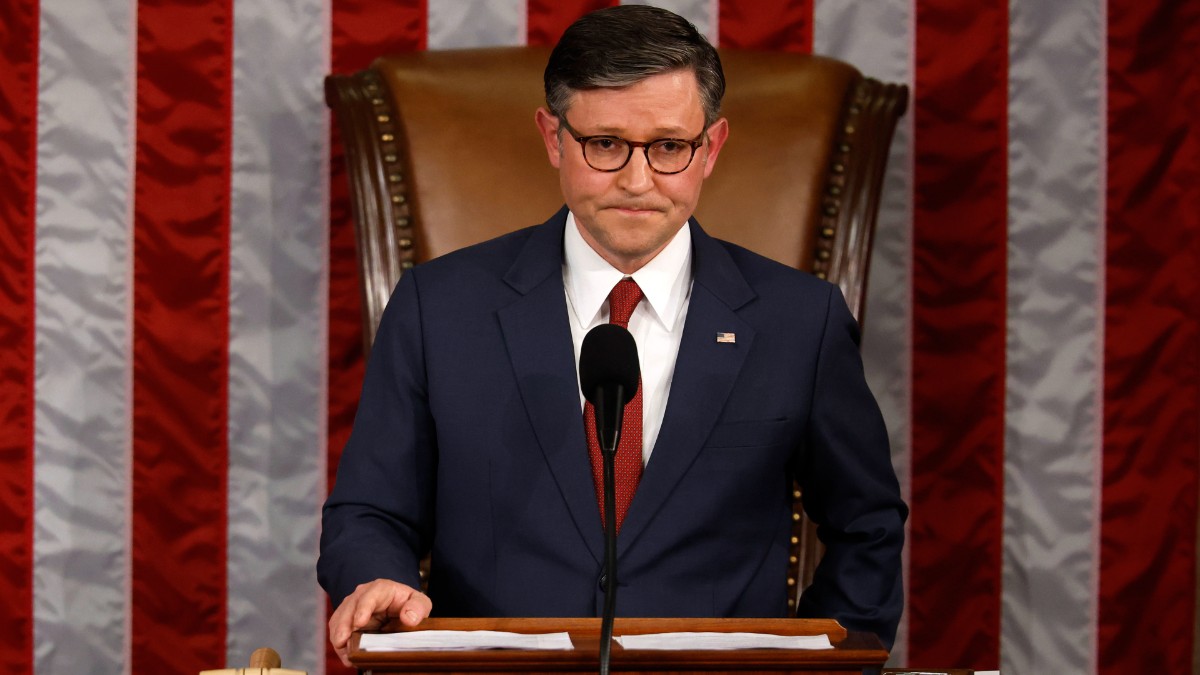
column 858, row 653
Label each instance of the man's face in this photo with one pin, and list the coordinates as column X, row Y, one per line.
column 629, row 215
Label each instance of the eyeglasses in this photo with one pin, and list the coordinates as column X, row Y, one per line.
column 612, row 153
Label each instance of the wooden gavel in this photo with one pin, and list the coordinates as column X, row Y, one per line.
column 264, row 661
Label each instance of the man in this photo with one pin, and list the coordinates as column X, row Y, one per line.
column 469, row 439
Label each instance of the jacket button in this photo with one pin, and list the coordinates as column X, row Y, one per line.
column 603, row 581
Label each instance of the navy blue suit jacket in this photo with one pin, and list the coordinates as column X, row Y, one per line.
column 469, row 443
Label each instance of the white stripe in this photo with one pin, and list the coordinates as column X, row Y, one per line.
column 1101, row 206
column 278, row 258
column 702, row 13
column 1055, row 313
column 476, row 23
column 876, row 36
column 83, row 322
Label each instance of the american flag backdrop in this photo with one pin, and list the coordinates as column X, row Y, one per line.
column 181, row 344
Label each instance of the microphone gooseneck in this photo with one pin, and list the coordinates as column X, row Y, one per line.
column 609, row 374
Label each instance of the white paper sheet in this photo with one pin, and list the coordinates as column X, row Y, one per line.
column 462, row 639
column 723, row 641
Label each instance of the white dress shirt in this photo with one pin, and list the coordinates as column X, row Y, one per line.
column 656, row 323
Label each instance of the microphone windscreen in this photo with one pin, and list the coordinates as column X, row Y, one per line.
column 608, row 357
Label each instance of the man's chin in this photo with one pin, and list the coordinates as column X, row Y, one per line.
column 631, row 252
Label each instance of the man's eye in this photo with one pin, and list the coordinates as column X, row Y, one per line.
column 605, row 144
column 669, row 147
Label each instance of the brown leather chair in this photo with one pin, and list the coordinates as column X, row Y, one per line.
column 442, row 152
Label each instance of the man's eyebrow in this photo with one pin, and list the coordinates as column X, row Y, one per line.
column 660, row 132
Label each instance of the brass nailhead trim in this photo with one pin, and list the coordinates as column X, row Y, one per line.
column 373, row 85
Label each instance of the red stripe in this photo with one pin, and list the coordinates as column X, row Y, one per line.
column 1152, row 340
column 959, row 286
column 779, row 25
column 365, row 29
column 361, row 31
column 180, row 335
column 345, row 312
column 18, row 156
column 547, row 19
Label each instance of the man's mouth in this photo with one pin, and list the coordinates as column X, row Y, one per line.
column 635, row 208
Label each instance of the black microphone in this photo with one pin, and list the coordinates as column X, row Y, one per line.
column 609, row 374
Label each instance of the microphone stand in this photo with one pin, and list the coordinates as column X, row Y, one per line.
column 608, row 453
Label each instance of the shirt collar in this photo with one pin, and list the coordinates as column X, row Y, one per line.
column 665, row 281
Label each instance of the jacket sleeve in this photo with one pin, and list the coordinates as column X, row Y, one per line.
column 377, row 521
column 850, row 490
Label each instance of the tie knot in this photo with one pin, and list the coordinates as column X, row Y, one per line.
column 622, row 300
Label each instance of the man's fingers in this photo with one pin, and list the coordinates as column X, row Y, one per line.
column 339, row 635
column 387, row 599
column 366, row 609
column 370, row 606
column 415, row 609
column 341, row 623
column 344, row 654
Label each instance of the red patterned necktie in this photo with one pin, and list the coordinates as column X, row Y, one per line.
column 628, row 463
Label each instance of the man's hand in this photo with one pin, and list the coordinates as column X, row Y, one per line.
column 370, row 606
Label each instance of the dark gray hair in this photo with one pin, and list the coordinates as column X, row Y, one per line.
column 623, row 45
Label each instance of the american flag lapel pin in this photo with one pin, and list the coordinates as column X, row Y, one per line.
column 727, row 338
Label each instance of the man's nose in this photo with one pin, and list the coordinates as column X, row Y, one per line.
column 636, row 176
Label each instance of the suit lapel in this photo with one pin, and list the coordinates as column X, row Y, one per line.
column 705, row 372
column 537, row 335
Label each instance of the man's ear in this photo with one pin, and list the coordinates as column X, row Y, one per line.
column 717, row 134
column 547, row 125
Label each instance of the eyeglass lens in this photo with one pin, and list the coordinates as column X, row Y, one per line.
column 664, row 155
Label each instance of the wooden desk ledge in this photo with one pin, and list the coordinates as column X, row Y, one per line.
column 852, row 653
